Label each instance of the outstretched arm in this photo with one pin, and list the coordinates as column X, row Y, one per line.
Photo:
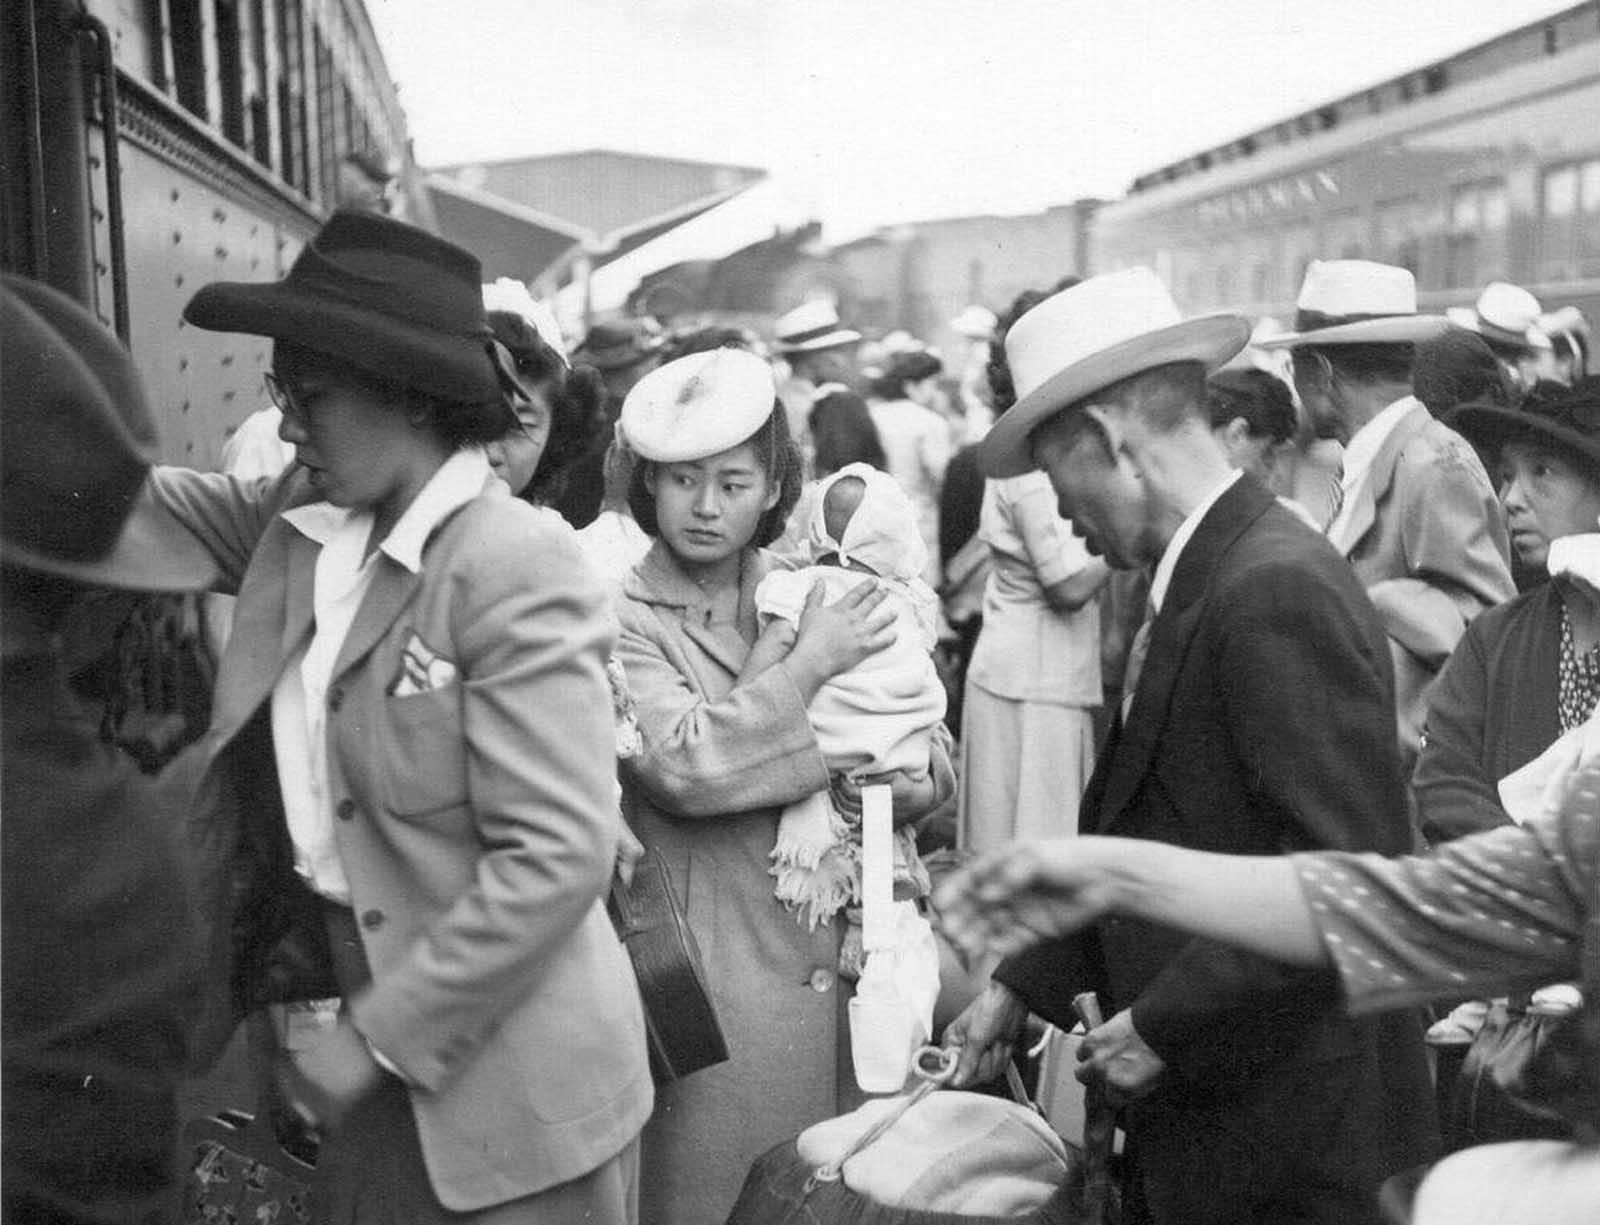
column 1018, row 895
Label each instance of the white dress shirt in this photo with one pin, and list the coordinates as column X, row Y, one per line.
column 1359, row 454
column 299, row 700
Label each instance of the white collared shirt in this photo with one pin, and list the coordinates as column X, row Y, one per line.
column 299, row 699
column 1162, row 579
column 1361, row 451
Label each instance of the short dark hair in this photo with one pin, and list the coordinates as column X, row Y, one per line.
column 1458, row 367
column 905, row 368
column 780, row 459
column 703, row 340
column 842, row 432
column 1261, row 399
column 455, row 423
column 1164, row 396
column 1002, row 390
column 1385, row 363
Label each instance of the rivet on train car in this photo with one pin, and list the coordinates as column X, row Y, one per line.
column 221, row 253
column 183, row 364
column 178, row 280
column 227, row 359
column 227, row 397
column 175, row 195
column 177, row 237
column 219, row 214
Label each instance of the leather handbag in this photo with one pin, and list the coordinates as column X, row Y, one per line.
column 680, row 1019
column 1517, row 1079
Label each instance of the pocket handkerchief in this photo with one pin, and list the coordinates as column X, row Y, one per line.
column 422, row 670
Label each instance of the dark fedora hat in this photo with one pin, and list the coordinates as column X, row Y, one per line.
column 76, row 441
column 618, row 345
column 1565, row 417
column 378, row 294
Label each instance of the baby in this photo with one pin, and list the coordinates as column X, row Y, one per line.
column 879, row 716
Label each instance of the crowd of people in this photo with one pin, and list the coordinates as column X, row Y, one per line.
column 1199, row 642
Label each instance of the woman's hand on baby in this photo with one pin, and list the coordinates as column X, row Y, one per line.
column 911, row 795
column 833, row 638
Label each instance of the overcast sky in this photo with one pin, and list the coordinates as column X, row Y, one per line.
column 869, row 112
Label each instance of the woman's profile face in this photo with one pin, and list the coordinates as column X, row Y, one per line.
column 1546, row 495
column 515, row 457
column 359, row 449
column 709, row 509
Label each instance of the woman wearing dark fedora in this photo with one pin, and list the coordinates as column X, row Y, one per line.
column 1527, row 671
column 412, row 723
column 723, row 751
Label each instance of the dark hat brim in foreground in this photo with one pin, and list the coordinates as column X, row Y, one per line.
column 455, row 367
column 60, row 363
column 1489, row 427
column 1210, row 340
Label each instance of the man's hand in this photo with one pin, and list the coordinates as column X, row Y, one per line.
column 323, row 1081
column 1116, row 1055
column 629, row 852
column 985, row 1033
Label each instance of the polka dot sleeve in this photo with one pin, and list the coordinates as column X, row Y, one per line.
column 1509, row 909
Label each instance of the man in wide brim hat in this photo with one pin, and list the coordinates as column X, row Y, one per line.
column 810, row 328
column 1257, row 642
column 1415, row 512
column 100, row 930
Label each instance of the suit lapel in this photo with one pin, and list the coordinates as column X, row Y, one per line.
column 1364, row 510
column 392, row 589
column 1129, row 757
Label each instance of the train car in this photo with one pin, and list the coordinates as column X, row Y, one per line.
column 1483, row 166
column 152, row 146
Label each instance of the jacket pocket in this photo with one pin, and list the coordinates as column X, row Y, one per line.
column 426, row 767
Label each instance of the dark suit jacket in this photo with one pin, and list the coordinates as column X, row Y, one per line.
column 1263, row 724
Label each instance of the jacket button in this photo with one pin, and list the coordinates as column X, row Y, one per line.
column 371, row 919
column 821, row 980
column 335, row 698
column 346, row 809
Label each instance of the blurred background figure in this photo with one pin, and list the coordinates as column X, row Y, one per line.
column 100, row 936
column 916, row 439
column 623, row 351
column 1458, row 367
column 969, row 364
column 1505, row 316
column 1252, row 415
column 366, row 181
column 819, row 357
column 1567, row 359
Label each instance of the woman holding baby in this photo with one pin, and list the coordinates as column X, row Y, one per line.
column 727, row 745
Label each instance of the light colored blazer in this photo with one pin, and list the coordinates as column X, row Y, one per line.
column 476, row 822
column 1428, row 542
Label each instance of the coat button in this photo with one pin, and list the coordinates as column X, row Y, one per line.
column 821, row 980
column 371, row 919
column 335, row 698
column 346, row 809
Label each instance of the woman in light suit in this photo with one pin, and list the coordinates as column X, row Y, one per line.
column 724, row 749
column 409, row 776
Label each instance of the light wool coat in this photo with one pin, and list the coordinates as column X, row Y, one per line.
column 717, row 767
column 1428, row 542
column 475, row 822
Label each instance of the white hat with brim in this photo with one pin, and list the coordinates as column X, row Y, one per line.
column 697, row 406
column 1504, row 315
column 811, row 326
column 1357, row 302
column 1096, row 333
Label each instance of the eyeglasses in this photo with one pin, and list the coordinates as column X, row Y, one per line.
column 282, row 398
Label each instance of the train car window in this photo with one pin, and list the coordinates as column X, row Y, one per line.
column 327, row 177
column 293, row 157
column 230, row 69
column 1561, row 192
column 189, row 56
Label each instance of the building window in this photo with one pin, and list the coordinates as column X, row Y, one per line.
column 292, row 126
column 1476, row 250
column 189, row 57
column 1570, row 229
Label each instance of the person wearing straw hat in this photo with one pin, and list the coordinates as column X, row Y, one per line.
column 1259, row 719
column 1415, row 512
column 414, row 703
column 1567, row 359
column 819, row 352
column 1507, row 318
column 100, row 937
column 724, row 749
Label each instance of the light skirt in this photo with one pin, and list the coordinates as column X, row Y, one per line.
column 1023, row 768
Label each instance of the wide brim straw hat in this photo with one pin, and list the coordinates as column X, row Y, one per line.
column 379, row 295
column 697, row 406
column 811, row 326
column 1505, row 315
column 79, row 440
column 1096, row 333
column 1566, row 418
column 1354, row 302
